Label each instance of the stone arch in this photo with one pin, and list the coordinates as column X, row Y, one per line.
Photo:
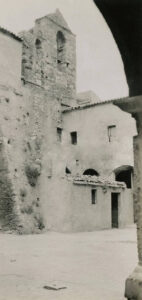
column 121, row 15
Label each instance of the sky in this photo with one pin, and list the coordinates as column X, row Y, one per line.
column 99, row 64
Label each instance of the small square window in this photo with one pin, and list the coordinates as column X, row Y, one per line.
column 73, row 137
column 77, row 162
column 59, row 134
column 93, row 196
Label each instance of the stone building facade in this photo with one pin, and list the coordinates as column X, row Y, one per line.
column 66, row 160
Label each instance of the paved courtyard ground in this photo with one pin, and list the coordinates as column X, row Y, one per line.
column 92, row 266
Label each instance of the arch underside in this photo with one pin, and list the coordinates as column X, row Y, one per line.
column 124, row 17
column 124, row 174
column 123, row 168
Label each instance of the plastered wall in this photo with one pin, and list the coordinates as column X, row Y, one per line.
column 93, row 149
column 71, row 209
column 10, row 60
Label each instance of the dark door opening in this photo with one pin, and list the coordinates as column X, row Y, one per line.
column 114, row 210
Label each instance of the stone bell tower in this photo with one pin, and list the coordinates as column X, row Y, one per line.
column 49, row 57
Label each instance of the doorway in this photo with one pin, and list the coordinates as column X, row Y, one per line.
column 114, row 209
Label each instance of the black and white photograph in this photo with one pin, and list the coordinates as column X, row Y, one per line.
column 70, row 149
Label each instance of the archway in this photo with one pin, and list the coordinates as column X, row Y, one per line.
column 124, row 174
column 121, row 16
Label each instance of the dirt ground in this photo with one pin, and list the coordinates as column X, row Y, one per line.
column 78, row 266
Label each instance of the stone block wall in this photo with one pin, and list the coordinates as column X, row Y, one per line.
column 30, row 114
column 40, row 63
column 25, row 123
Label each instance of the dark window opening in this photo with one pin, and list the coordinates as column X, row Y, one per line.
column 73, row 137
column 59, row 134
column 77, row 162
column 38, row 44
column 67, row 171
column 125, row 176
column 60, row 50
column 91, row 172
column 111, row 132
column 93, row 196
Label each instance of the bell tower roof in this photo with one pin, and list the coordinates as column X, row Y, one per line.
column 57, row 18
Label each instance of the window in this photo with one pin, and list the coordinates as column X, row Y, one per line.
column 77, row 162
column 38, row 44
column 67, row 171
column 59, row 134
column 111, row 132
column 73, row 137
column 91, row 172
column 60, row 50
column 93, row 196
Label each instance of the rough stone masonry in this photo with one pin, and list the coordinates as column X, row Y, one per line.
column 31, row 112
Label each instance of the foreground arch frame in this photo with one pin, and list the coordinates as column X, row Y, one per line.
column 133, row 288
column 124, row 18
column 121, row 16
